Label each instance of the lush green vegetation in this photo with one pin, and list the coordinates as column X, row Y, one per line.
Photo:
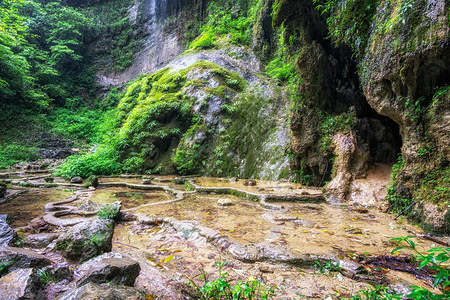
column 46, row 78
column 223, row 288
column 230, row 22
column 349, row 21
column 152, row 115
column 118, row 39
column 43, row 54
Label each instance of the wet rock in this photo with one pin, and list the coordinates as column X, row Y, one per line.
column 305, row 223
column 95, row 291
column 7, row 234
column 110, row 268
column 89, row 206
column 20, row 284
column 225, row 202
column 92, row 181
column 127, row 217
column 37, row 225
column 266, row 269
column 146, row 181
column 146, row 220
column 49, row 179
column 55, row 153
column 360, row 209
column 39, row 240
column 250, row 182
column 86, row 240
column 2, row 189
column 351, row 162
column 76, row 179
column 22, row 258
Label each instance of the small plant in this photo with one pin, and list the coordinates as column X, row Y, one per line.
column 189, row 186
column 179, row 181
column 329, row 266
column 19, row 242
column 375, row 293
column 107, row 212
column 222, row 288
column 62, row 245
column 45, row 276
column 435, row 258
column 5, row 266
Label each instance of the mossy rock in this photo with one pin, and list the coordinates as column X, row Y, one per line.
column 86, row 240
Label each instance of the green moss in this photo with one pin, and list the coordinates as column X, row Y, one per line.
column 190, row 158
column 237, row 142
column 205, row 41
column 435, row 187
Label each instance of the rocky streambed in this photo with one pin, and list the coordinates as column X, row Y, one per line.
column 131, row 237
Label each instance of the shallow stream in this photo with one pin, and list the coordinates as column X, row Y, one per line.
column 336, row 232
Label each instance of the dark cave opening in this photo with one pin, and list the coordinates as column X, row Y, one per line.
column 382, row 136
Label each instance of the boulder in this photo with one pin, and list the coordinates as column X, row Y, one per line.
column 89, row 206
column 92, row 181
column 250, row 182
column 18, row 258
column 76, row 179
column 146, row 181
column 39, row 240
column 111, row 268
column 49, row 179
column 20, row 284
column 225, row 202
column 2, row 189
column 95, row 291
column 7, row 234
column 86, row 240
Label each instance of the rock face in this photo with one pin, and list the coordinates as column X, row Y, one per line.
column 162, row 25
column 351, row 162
column 109, row 268
column 20, row 284
column 95, row 291
column 405, row 77
column 7, row 234
column 22, row 258
column 86, row 240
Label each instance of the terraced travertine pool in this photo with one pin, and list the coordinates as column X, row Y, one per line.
column 178, row 247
